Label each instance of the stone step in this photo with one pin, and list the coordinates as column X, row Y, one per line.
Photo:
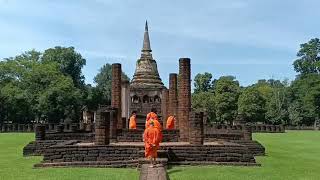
column 162, row 161
column 161, row 153
column 153, row 173
column 93, row 164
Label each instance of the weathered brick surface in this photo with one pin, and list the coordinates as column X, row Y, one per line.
column 136, row 135
column 184, row 97
column 226, row 132
column 164, row 106
column 36, row 148
column 116, row 92
column 196, row 131
column 102, row 128
column 182, row 153
column 254, row 146
column 153, row 173
column 40, row 132
column 16, row 127
column 173, row 96
column 81, row 136
column 268, row 128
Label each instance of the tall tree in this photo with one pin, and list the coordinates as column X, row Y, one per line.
column 305, row 99
column 103, row 81
column 277, row 106
column 309, row 60
column 204, row 101
column 70, row 62
column 203, row 82
column 251, row 104
column 33, row 88
column 226, row 97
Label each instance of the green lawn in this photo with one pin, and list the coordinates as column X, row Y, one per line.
column 292, row 155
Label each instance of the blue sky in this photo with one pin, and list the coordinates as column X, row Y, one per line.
column 248, row 39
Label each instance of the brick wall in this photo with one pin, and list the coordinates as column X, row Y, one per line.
column 136, row 135
column 268, row 128
column 121, row 155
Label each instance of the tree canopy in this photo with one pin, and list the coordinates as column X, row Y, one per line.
column 309, row 60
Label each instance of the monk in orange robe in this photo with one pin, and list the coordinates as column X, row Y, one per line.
column 152, row 115
column 152, row 139
column 133, row 120
column 170, row 122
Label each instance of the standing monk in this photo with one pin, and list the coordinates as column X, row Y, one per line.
column 152, row 139
column 151, row 116
column 170, row 122
column 133, row 120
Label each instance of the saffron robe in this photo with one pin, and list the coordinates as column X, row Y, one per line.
column 152, row 139
column 170, row 122
column 133, row 122
column 150, row 116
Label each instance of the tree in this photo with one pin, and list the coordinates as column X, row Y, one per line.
column 94, row 97
column 34, row 89
column 202, row 82
column 70, row 62
column 251, row 105
column 277, row 106
column 226, row 97
column 309, row 60
column 204, row 101
column 305, row 99
column 103, row 81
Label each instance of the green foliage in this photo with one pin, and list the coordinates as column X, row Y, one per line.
column 34, row 89
column 226, row 91
column 204, row 101
column 70, row 62
column 103, row 81
column 275, row 94
column 203, row 83
column 251, row 105
column 305, row 99
column 309, row 60
column 277, row 106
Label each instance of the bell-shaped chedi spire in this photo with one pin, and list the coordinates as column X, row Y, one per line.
column 146, row 74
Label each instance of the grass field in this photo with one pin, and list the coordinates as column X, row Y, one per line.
column 293, row 155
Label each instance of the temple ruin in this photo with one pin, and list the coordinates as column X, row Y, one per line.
column 108, row 142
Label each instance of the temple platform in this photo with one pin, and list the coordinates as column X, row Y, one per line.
column 130, row 154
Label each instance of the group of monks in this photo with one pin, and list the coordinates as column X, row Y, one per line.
column 152, row 135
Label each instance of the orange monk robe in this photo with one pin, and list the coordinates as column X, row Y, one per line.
column 170, row 122
column 133, row 122
column 156, row 125
column 150, row 116
column 151, row 138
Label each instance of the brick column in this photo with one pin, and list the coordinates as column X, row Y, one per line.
column 40, row 132
column 196, row 131
column 164, row 106
column 102, row 128
column 173, row 97
column 184, row 97
column 113, row 125
column 116, row 92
